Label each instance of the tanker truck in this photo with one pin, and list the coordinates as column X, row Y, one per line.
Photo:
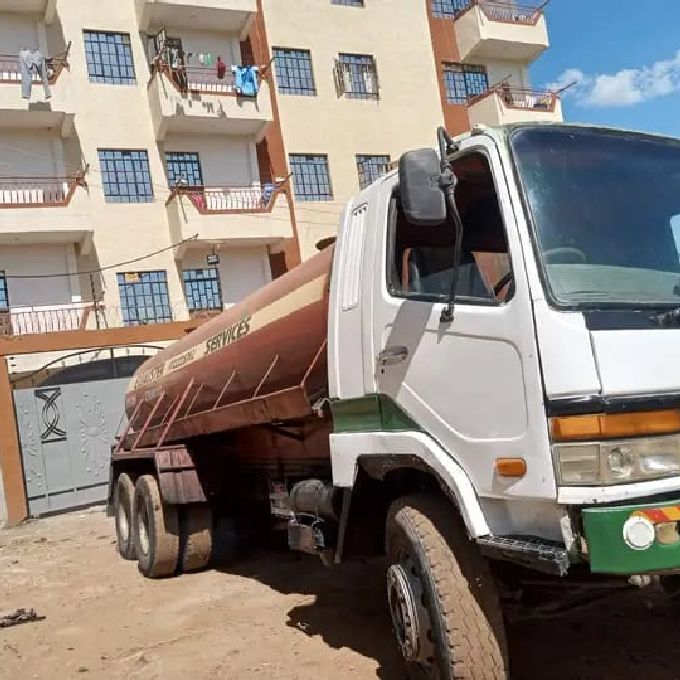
column 478, row 379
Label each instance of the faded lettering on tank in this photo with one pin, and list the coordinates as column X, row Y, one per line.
column 227, row 336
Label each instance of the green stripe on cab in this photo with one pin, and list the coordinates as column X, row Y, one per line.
column 372, row 413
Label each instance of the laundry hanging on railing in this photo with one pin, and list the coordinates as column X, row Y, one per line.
column 32, row 61
column 246, row 80
column 221, row 68
column 205, row 59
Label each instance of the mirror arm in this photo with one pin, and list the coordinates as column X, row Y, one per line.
column 447, row 182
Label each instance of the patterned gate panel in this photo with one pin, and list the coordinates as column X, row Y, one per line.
column 66, row 433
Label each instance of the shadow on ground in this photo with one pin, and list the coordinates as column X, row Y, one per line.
column 631, row 636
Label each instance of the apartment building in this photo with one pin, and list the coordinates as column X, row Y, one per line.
column 135, row 186
column 149, row 184
column 360, row 81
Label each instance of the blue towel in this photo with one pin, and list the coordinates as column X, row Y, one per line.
column 246, row 80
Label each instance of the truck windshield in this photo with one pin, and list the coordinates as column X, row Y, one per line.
column 605, row 208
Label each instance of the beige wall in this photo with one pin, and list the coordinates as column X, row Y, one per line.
column 115, row 117
column 406, row 116
column 240, row 170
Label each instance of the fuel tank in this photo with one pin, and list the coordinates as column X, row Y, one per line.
column 263, row 360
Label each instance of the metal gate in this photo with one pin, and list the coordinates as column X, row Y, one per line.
column 65, row 432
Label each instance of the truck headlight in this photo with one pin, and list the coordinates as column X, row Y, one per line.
column 618, row 461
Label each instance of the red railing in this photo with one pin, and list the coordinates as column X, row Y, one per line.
column 228, row 200
column 524, row 99
column 199, row 79
column 10, row 67
column 39, row 192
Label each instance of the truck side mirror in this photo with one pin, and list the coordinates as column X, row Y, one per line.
column 422, row 198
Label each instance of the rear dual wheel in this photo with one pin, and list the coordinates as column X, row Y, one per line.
column 168, row 539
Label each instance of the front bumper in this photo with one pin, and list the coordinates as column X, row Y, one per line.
column 608, row 550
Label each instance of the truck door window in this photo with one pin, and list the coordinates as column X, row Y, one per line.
column 421, row 258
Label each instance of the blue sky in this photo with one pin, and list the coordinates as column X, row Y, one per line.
column 626, row 57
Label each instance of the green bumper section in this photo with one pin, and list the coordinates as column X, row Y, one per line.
column 608, row 551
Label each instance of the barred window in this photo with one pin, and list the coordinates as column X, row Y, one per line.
column 144, row 297
column 294, row 74
column 348, row 3
column 311, row 177
column 357, row 76
column 202, row 289
column 183, row 167
column 464, row 81
column 109, row 58
column 4, row 297
column 449, row 8
column 126, row 177
column 370, row 168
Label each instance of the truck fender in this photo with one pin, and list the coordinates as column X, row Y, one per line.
column 348, row 448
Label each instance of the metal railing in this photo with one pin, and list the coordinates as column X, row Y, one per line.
column 510, row 13
column 10, row 67
column 39, row 192
column 85, row 316
column 228, row 200
column 200, row 79
column 525, row 99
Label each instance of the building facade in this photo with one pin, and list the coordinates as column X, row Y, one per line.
column 141, row 181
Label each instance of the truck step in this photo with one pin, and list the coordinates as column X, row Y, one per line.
column 545, row 556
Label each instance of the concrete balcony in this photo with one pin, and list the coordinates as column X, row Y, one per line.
column 45, row 210
column 37, row 112
column 228, row 216
column 205, row 104
column 229, row 16
column 489, row 30
column 506, row 105
column 45, row 9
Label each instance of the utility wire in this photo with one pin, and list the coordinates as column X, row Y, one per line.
column 107, row 267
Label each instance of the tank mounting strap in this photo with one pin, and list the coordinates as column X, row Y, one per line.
column 544, row 556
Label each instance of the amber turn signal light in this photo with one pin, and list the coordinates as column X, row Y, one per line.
column 511, row 467
column 614, row 425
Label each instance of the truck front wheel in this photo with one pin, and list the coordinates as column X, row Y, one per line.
column 156, row 530
column 441, row 595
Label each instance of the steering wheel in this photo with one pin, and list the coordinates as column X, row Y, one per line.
column 578, row 255
column 502, row 283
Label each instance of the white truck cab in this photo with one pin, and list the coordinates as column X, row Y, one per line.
column 548, row 403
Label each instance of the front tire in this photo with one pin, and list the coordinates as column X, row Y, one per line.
column 122, row 508
column 156, row 530
column 441, row 594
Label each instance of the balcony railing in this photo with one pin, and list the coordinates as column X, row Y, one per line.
column 199, row 79
column 524, row 99
column 45, row 318
column 506, row 12
column 10, row 67
column 228, row 200
column 39, row 192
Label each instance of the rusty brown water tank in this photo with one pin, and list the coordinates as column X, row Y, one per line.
column 263, row 360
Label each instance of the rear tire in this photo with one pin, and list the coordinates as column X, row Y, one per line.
column 196, row 534
column 122, row 508
column 156, row 530
column 442, row 596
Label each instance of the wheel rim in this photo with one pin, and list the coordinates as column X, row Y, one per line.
column 143, row 531
column 123, row 524
column 410, row 618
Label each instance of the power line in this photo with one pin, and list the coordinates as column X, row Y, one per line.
column 107, row 267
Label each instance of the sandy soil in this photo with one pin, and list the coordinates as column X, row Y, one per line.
column 268, row 616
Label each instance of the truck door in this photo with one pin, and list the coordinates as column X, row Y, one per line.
column 473, row 384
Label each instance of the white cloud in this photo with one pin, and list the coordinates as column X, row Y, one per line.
column 626, row 87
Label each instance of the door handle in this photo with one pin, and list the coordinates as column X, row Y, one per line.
column 393, row 355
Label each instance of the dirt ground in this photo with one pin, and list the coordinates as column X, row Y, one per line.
column 269, row 616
